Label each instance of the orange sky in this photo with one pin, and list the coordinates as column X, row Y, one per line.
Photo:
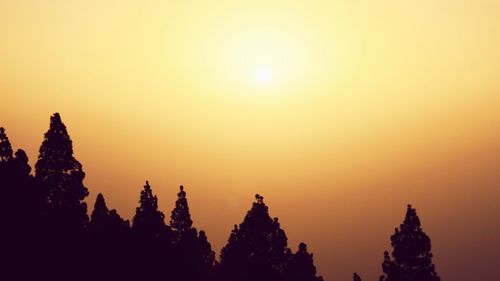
column 371, row 106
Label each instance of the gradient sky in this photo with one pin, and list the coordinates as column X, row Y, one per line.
column 374, row 104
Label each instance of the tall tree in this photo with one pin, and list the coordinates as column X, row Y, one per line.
column 301, row 266
column 207, row 255
column 257, row 249
column 181, row 218
column 195, row 255
column 5, row 147
column 411, row 256
column 152, row 238
column 62, row 176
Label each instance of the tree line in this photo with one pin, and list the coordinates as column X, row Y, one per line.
column 47, row 234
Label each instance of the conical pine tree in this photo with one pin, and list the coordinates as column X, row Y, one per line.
column 108, row 241
column 206, row 253
column 100, row 211
column 257, row 249
column 181, row 218
column 152, row 240
column 62, row 176
column 195, row 255
column 105, row 222
column 411, row 256
column 5, row 147
column 148, row 221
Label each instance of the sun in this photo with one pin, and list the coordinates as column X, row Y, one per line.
column 264, row 75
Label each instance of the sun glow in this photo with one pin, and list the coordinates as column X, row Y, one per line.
column 264, row 75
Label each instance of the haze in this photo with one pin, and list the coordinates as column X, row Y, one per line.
column 373, row 105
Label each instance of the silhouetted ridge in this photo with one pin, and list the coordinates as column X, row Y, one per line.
column 46, row 233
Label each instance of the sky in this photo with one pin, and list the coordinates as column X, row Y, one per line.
column 339, row 113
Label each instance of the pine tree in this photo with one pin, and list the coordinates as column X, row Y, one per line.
column 181, row 219
column 152, row 239
column 196, row 257
column 257, row 249
column 5, row 147
column 148, row 221
column 301, row 266
column 25, row 187
column 108, row 236
column 62, row 177
column 22, row 202
column 411, row 257
column 105, row 223
column 20, row 212
column 206, row 253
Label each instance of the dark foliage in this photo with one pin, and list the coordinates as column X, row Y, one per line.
column 152, row 239
column 301, row 266
column 257, row 250
column 46, row 233
column 108, row 238
column 62, row 178
column 5, row 147
column 195, row 256
column 411, row 256
column 181, row 219
column 20, row 211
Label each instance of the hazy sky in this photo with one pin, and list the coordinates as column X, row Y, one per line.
column 367, row 106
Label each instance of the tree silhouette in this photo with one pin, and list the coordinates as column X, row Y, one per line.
column 62, row 177
column 356, row 277
column 65, row 213
column 108, row 236
column 148, row 221
column 106, row 224
column 20, row 212
column 411, row 256
column 195, row 255
column 152, row 238
column 207, row 256
column 46, row 229
column 301, row 266
column 257, row 249
column 181, row 219
column 5, row 147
